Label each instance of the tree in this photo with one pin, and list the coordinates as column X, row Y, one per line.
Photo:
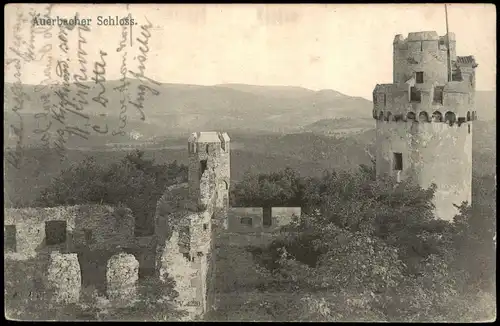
column 284, row 188
column 135, row 182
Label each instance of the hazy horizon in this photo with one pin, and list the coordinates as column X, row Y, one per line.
column 317, row 47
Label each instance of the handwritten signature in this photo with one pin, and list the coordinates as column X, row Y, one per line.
column 142, row 88
column 14, row 158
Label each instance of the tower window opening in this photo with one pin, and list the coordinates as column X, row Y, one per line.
column 421, row 46
column 88, row 236
column 246, row 221
column 468, row 116
column 223, row 146
column 468, row 128
column 10, row 239
column 415, row 95
column 385, row 100
column 55, row 232
column 267, row 217
column 207, row 148
column 438, row 94
column 398, row 161
column 419, row 77
column 203, row 167
column 205, row 226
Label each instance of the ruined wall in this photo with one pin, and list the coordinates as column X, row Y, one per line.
column 96, row 227
column 186, row 227
column 250, row 219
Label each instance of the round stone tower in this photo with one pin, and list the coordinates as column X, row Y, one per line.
column 424, row 118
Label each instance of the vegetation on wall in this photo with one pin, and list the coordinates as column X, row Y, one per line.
column 135, row 182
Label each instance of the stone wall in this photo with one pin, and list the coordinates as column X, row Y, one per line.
column 250, row 219
column 95, row 227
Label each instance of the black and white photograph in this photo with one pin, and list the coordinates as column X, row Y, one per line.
column 250, row 162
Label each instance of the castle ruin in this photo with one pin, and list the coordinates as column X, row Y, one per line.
column 424, row 118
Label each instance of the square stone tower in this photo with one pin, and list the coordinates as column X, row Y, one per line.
column 209, row 167
column 425, row 117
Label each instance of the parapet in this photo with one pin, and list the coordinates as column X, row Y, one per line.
column 208, row 137
column 427, row 37
column 205, row 138
column 423, row 36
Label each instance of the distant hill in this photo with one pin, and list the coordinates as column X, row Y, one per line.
column 183, row 108
column 308, row 153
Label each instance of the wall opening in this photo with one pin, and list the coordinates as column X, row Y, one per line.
column 223, row 145
column 246, row 221
column 468, row 115
column 205, row 226
column 423, row 117
column 267, row 216
column 419, row 77
column 388, row 116
column 398, row 161
column 450, row 118
column 207, row 148
column 411, row 116
column 437, row 117
column 89, row 238
column 203, row 167
column 199, row 254
column 186, row 256
column 398, row 117
column 438, row 94
column 55, row 232
column 415, row 95
column 468, row 128
column 381, row 115
column 385, row 100
column 10, row 238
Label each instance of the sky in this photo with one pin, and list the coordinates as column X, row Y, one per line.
column 347, row 48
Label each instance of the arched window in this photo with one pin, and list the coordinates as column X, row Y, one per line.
column 381, row 115
column 437, row 117
column 411, row 116
column 423, row 117
column 468, row 115
column 450, row 117
column 388, row 116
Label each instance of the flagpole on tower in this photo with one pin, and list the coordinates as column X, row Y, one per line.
column 448, row 44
